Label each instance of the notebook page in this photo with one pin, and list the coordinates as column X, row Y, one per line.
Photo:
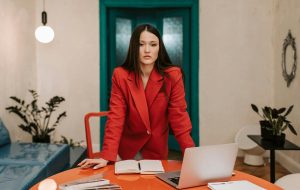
column 151, row 166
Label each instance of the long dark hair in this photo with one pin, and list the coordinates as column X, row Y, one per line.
column 131, row 63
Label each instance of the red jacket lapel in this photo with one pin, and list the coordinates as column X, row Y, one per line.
column 154, row 85
column 139, row 98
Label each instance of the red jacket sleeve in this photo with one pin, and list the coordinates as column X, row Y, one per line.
column 115, row 121
column 179, row 119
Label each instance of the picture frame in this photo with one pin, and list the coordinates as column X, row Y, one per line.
column 289, row 41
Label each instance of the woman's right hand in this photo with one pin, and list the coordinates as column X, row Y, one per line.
column 93, row 163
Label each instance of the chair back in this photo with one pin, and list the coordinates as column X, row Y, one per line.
column 90, row 152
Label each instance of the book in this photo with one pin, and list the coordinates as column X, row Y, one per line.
column 91, row 182
column 105, row 187
column 234, row 185
column 141, row 166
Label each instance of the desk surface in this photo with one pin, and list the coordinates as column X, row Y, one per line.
column 137, row 181
column 269, row 145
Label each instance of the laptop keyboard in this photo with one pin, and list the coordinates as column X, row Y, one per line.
column 174, row 180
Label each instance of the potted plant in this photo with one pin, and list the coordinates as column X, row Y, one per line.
column 70, row 142
column 274, row 122
column 36, row 120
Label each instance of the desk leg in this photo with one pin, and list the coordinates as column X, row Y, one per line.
column 272, row 166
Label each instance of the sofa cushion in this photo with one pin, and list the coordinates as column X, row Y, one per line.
column 20, row 176
column 4, row 135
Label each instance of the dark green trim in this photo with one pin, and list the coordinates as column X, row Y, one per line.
column 195, row 94
column 194, row 7
column 103, row 68
column 148, row 3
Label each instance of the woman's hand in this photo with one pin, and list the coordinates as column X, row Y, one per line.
column 93, row 163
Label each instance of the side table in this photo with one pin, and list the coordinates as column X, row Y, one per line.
column 76, row 155
column 268, row 145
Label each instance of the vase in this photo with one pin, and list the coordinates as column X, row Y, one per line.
column 266, row 130
column 267, row 134
column 41, row 139
column 279, row 140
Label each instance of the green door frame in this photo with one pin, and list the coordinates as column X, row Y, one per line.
column 193, row 5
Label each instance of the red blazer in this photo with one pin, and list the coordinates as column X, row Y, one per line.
column 138, row 119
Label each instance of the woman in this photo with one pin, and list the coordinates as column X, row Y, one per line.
column 147, row 98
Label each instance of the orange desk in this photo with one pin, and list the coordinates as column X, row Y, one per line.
column 137, row 181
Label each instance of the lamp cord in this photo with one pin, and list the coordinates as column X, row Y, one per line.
column 44, row 14
column 43, row 5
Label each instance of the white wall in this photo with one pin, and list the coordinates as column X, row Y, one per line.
column 17, row 58
column 287, row 17
column 69, row 66
column 236, row 63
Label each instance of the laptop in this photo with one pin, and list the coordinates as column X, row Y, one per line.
column 203, row 164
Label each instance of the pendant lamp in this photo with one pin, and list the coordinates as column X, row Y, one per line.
column 44, row 34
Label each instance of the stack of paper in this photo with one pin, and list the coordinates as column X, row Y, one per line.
column 234, row 185
column 89, row 183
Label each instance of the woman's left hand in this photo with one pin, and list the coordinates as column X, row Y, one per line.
column 93, row 163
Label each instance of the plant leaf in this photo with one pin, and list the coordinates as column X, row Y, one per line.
column 26, row 128
column 279, row 124
column 284, row 127
column 17, row 110
column 292, row 129
column 289, row 110
column 15, row 99
column 50, row 130
column 35, row 127
column 34, row 94
column 254, row 107
column 274, row 113
column 267, row 111
column 35, row 120
column 281, row 110
column 62, row 115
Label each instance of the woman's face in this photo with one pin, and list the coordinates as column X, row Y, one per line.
column 149, row 46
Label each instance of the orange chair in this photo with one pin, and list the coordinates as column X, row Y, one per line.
column 90, row 153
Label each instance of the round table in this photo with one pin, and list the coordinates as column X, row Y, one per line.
column 137, row 181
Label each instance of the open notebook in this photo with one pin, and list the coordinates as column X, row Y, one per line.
column 141, row 166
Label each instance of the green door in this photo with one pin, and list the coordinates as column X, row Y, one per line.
column 173, row 24
column 118, row 19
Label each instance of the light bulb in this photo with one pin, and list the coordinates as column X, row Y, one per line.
column 44, row 34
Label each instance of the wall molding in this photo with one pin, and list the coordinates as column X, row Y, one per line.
column 287, row 162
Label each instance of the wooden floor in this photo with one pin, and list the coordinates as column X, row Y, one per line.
column 259, row 171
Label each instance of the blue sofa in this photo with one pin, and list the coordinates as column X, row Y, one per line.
column 24, row 164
